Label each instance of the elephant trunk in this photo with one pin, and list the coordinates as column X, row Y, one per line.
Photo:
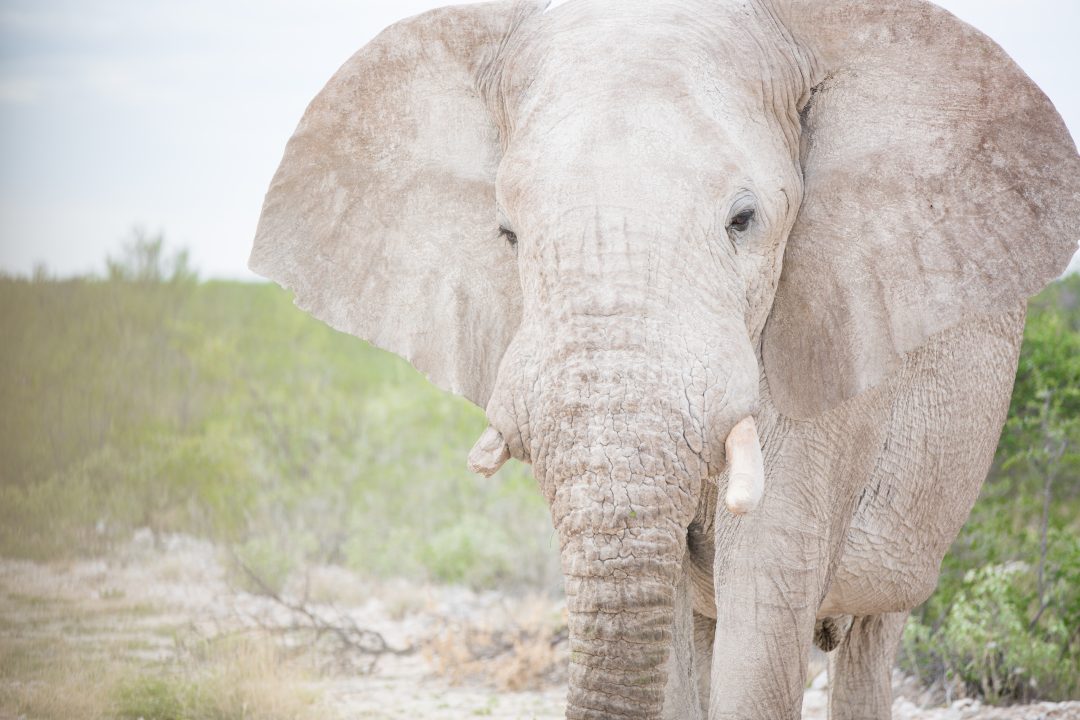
column 621, row 561
column 622, row 497
column 623, row 489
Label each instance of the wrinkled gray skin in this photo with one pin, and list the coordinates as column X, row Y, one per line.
column 911, row 188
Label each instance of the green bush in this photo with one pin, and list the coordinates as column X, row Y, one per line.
column 988, row 642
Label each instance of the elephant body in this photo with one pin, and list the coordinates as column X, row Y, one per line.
column 956, row 392
column 908, row 482
column 743, row 280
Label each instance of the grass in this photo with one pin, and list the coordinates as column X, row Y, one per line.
column 59, row 676
column 65, row 688
column 234, row 680
column 248, row 679
column 515, row 646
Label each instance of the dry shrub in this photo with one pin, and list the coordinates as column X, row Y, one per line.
column 518, row 646
column 337, row 586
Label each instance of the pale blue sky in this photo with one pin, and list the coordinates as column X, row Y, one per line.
column 172, row 115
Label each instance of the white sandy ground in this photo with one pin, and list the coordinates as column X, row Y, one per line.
column 143, row 598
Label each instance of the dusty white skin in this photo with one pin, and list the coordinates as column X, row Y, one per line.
column 626, row 228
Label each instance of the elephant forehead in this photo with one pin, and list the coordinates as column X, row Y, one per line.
column 554, row 4
column 733, row 35
column 708, row 78
column 593, row 144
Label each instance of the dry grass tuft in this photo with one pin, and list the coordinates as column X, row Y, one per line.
column 233, row 679
column 226, row 679
column 520, row 647
column 52, row 684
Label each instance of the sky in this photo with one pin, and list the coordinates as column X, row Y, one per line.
column 171, row 115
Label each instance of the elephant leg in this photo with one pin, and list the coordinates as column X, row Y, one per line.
column 860, row 669
column 770, row 568
column 704, row 636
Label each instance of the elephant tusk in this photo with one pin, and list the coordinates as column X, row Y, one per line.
column 746, row 479
column 489, row 453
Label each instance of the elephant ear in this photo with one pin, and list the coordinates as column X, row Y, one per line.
column 381, row 217
column 940, row 184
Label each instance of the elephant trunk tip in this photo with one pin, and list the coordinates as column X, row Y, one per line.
column 489, row 453
column 746, row 479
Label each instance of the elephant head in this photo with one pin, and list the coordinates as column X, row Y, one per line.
column 621, row 228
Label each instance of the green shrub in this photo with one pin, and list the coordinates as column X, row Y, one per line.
column 988, row 642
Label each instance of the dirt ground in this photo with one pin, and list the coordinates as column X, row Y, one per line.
column 359, row 650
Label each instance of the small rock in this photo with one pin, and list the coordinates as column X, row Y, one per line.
column 904, row 710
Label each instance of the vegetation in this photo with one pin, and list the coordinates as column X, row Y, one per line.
column 1005, row 621
column 228, row 679
column 151, row 399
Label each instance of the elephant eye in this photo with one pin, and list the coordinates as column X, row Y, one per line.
column 741, row 222
column 510, row 235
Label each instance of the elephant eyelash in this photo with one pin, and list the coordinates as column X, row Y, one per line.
column 510, row 235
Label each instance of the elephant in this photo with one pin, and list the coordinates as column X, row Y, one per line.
column 744, row 281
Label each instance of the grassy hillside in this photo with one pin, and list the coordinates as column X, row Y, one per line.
column 152, row 400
